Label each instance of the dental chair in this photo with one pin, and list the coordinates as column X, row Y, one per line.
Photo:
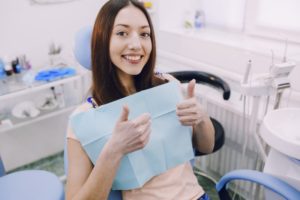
column 30, row 185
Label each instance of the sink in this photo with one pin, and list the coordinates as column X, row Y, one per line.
column 281, row 130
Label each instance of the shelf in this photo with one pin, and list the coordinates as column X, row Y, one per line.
column 17, row 123
column 23, row 89
column 16, row 89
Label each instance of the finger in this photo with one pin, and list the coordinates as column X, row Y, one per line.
column 142, row 140
column 142, row 119
column 187, row 111
column 124, row 114
column 191, row 88
column 146, row 126
column 142, row 128
column 145, row 138
column 146, row 134
column 188, row 120
column 187, row 104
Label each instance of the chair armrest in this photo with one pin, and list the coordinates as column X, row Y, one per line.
column 271, row 182
column 205, row 78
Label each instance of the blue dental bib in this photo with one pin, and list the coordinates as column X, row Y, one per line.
column 170, row 143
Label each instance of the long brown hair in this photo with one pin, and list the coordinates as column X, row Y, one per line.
column 106, row 86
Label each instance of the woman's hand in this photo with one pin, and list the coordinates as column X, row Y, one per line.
column 131, row 135
column 190, row 111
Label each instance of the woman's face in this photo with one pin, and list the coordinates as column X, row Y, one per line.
column 130, row 43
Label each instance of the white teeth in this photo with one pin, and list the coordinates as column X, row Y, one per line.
column 133, row 58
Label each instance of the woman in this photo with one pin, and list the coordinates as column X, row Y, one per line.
column 123, row 59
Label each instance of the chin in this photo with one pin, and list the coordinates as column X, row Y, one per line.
column 134, row 73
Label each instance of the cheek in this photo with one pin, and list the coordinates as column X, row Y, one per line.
column 114, row 46
column 148, row 47
column 114, row 55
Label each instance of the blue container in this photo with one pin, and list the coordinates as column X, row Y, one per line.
column 2, row 70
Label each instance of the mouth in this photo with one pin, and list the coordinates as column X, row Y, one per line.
column 133, row 58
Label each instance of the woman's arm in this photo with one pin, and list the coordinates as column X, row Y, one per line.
column 87, row 182
column 204, row 135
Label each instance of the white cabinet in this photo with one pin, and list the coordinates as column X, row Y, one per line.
column 31, row 137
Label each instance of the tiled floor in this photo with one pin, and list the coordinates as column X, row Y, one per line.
column 207, row 183
column 55, row 164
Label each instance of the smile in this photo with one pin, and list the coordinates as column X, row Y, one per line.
column 133, row 58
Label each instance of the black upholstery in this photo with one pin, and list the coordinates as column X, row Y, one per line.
column 204, row 78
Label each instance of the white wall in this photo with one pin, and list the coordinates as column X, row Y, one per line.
column 29, row 29
column 221, row 51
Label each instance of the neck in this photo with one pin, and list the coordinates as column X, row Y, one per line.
column 130, row 91
column 128, row 83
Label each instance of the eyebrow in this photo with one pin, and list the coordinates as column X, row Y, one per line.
column 127, row 26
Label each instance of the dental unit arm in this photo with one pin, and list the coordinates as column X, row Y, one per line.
column 280, row 73
column 273, row 83
column 266, row 85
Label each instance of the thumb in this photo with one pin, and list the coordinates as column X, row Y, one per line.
column 191, row 88
column 124, row 114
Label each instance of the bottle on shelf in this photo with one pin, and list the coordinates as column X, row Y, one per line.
column 16, row 66
column 188, row 19
column 2, row 70
column 199, row 19
column 7, row 66
column 59, row 96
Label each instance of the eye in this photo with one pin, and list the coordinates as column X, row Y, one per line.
column 145, row 35
column 122, row 33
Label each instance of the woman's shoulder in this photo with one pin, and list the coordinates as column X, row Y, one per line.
column 82, row 108
column 79, row 109
column 169, row 77
column 166, row 76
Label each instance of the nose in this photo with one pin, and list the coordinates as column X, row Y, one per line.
column 135, row 42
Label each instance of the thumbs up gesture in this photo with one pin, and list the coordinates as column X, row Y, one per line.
column 189, row 111
column 130, row 135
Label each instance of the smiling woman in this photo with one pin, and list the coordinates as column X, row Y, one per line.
column 121, row 45
column 123, row 59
